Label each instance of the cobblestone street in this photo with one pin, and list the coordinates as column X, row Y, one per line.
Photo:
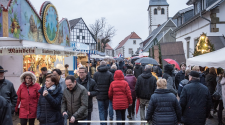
column 95, row 117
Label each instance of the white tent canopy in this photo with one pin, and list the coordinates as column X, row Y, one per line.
column 214, row 59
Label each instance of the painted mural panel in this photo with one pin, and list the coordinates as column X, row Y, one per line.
column 1, row 29
column 31, row 24
column 64, row 34
column 50, row 23
column 14, row 19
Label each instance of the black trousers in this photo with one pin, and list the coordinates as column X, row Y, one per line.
column 89, row 117
column 131, row 108
column 120, row 116
column 24, row 121
column 220, row 111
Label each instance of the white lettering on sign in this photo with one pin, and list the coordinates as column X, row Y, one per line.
column 21, row 50
column 47, row 51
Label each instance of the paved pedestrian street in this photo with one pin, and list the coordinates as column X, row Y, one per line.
column 95, row 117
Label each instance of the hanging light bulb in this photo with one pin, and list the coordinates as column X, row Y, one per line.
column 203, row 37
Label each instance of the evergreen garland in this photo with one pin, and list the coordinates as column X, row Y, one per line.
column 153, row 55
column 203, row 46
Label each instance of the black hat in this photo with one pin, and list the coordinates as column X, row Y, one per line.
column 194, row 74
column 2, row 70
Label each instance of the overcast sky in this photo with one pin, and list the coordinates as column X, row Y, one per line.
column 126, row 15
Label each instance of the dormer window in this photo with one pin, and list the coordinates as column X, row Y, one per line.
column 162, row 11
column 155, row 11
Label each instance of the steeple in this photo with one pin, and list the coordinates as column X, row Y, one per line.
column 158, row 3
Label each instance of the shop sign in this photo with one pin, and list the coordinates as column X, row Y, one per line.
column 21, row 51
column 57, row 52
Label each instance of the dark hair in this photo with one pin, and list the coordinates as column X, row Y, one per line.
column 43, row 69
column 129, row 71
column 66, row 66
column 212, row 70
column 85, row 69
column 53, row 78
column 70, row 77
column 183, row 64
column 58, row 71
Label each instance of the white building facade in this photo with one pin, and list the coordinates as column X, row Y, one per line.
column 208, row 18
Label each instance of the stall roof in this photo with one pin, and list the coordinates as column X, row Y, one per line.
column 213, row 59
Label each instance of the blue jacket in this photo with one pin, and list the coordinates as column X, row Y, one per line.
column 49, row 107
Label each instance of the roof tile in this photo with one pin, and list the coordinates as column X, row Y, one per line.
column 133, row 35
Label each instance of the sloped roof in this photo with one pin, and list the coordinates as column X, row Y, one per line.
column 133, row 35
column 183, row 11
column 108, row 47
column 158, row 3
column 74, row 22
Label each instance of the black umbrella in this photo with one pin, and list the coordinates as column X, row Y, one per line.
column 65, row 119
column 134, row 59
column 119, row 59
column 147, row 60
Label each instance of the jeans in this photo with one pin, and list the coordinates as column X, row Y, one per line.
column 220, row 111
column 24, row 121
column 120, row 116
column 143, row 104
column 103, row 106
column 131, row 108
column 110, row 110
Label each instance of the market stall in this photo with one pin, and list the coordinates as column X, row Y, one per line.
column 30, row 40
column 213, row 59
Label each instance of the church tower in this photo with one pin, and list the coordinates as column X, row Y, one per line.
column 158, row 13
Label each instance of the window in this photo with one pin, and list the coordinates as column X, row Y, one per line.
column 78, row 37
column 134, row 42
column 188, row 49
column 197, row 7
column 155, row 11
column 130, row 51
column 83, row 37
column 80, row 30
column 162, row 11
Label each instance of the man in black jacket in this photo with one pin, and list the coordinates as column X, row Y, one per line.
column 145, row 87
column 195, row 101
column 137, row 70
column 89, row 83
column 103, row 78
column 180, row 75
column 5, row 115
column 7, row 90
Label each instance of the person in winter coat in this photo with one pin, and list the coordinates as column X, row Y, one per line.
column 114, row 63
column 120, row 94
column 75, row 101
column 90, row 85
column 58, row 73
column 103, row 78
column 5, row 115
column 7, row 90
column 163, row 108
column 144, row 88
column 202, row 75
column 131, row 80
column 137, row 70
column 28, row 97
column 121, row 66
column 66, row 70
column 222, row 82
column 211, row 84
column 219, row 91
column 180, row 75
column 49, row 104
column 195, row 101
column 168, row 75
column 42, row 76
column 111, row 113
column 184, row 82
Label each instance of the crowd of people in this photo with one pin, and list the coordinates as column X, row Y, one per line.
column 167, row 98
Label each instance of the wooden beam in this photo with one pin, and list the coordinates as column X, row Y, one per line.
column 5, row 24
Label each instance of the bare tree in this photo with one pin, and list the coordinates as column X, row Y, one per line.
column 101, row 32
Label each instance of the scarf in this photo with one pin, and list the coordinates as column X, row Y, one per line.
column 52, row 88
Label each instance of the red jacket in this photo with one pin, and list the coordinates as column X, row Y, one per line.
column 119, row 92
column 28, row 100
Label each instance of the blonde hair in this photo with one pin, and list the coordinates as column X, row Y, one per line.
column 113, row 67
column 161, row 84
column 196, row 68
